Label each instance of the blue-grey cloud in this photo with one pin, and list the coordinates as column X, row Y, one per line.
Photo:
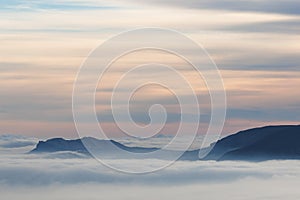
column 265, row 114
column 16, row 141
column 25, row 5
column 258, row 61
column 144, row 118
column 275, row 27
column 35, row 105
column 291, row 7
column 40, row 171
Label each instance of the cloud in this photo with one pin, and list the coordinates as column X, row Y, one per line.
column 24, row 177
column 36, row 176
column 281, row 26
column 263, row 62
column 53, row 5
column 45, row 42
column 291, row 7
column 16, row 141
column 261, row 113
column 275, row 189
column 36, row 171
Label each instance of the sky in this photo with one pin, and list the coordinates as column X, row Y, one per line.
column 255, row 45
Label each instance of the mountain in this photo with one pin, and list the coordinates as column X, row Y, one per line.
column 61, row 148
column 79, row 145
column 259, row 144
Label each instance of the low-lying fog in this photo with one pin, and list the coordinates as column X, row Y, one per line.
column 33, row 177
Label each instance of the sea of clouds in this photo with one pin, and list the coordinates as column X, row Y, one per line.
column 25, row 176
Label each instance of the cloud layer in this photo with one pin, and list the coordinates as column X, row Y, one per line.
column 264, row 6
column 58, row 176
column 35, row 177
column 254, row 44
column 36, row 171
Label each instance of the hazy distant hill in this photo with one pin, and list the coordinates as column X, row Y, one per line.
column 100, row 146
column 79, row 145
column 258, row 144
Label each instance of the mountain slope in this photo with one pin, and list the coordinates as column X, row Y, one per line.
column 272, row 142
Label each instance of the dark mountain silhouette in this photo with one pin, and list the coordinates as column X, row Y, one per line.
column 79, row 145
column 258, row 144
column 100, row 146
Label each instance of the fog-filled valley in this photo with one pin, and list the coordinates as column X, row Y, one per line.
column 33, row 176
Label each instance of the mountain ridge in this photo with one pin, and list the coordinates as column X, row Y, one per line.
column 256, row 144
